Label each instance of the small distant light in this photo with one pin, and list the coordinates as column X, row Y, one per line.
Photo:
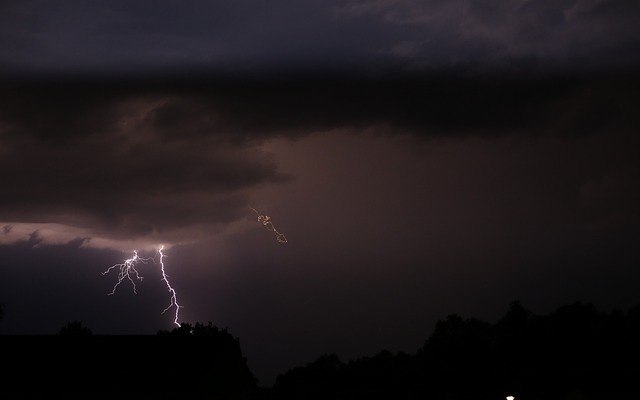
column 510, row 398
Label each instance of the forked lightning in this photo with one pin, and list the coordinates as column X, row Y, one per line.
column 128, row 270
column 174, row 299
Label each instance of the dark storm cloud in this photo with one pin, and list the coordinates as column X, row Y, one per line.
column 105, row 35
column 144, row 159
column 89, row 159
column 371, row 35
column 538, row 34
column 239, row 111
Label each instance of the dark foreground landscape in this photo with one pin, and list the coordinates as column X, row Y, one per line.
column 575, row 352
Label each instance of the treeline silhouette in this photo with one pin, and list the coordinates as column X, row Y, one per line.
column 192, row 360
column 75, row 328
column 573, row 353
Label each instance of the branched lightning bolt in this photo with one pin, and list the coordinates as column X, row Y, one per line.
column 128, row 270
column 266, row 222
column 174, row 300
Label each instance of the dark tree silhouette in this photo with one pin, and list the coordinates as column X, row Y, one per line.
column 199, row 329
column 192, row 361
column 75, row 328
column 574, row 352
column 224, row 372
column 318, row 379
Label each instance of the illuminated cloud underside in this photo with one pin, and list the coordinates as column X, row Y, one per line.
column 45, row 234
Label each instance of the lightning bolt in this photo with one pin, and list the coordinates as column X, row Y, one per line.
column 265, row 220
column 127, row 270
column 174, row 299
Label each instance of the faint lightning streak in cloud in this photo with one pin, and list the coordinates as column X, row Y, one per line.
column 266, row 222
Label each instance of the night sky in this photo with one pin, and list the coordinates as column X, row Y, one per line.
column 422, row 158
